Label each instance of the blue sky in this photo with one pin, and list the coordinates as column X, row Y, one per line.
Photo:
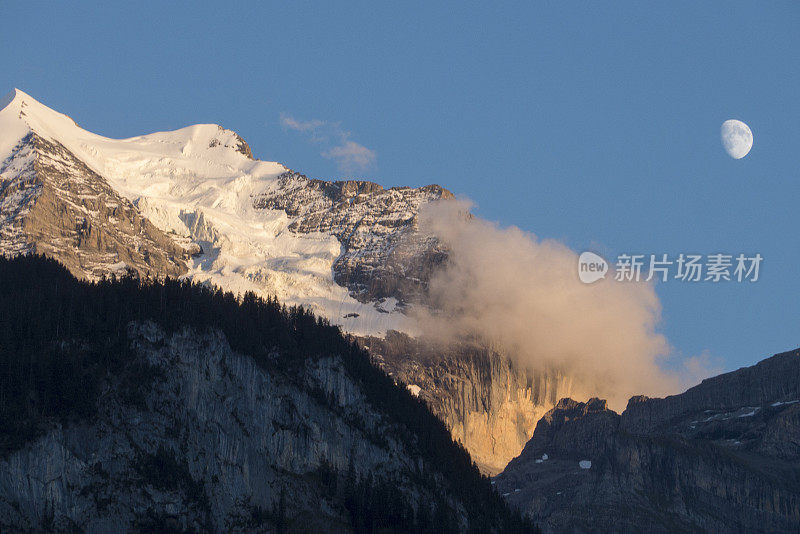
column 595, row 123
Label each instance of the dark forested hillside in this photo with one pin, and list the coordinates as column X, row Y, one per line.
column 61, row 340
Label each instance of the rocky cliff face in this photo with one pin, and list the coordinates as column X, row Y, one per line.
column 384, row 255
column 53, row 204
column 212, row 445
column 490, row 404
column 723, row 456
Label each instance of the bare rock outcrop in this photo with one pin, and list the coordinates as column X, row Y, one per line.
column 722, row 457
column 384, row 253
column 53, row 204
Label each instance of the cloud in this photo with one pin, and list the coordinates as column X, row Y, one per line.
column 287, row 121
column 522, row 296
column 350, row 157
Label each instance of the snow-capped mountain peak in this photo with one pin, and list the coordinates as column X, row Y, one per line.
column 202, row 149
column 349, row 250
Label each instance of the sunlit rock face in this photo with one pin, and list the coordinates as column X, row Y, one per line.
column 490, row 404
column 721, row 457
column 53, row 204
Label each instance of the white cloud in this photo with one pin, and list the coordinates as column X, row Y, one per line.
column 312, row 126
column 520, row 295
column 350, row 157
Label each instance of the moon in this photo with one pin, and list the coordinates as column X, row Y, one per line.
column 736, row 138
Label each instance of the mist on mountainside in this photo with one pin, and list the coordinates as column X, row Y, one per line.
column 521, row 296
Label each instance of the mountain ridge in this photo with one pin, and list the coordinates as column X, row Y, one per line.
column 722, row 456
